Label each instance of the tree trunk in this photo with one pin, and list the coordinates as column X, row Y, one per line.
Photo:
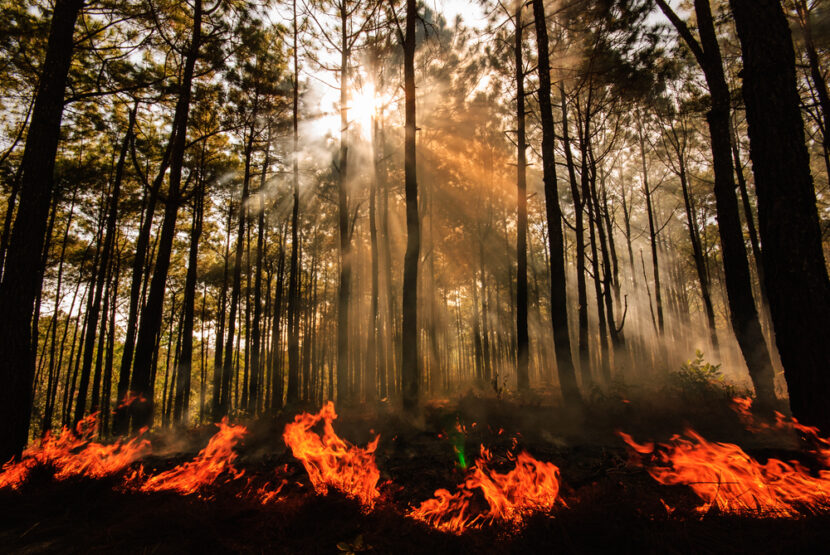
column 254, row 401
column 344, row 228
column 522, row 340
column 293, row 276
column 579, row 232
column 743, row 312
column 185, row 362
column 794, row 265
column 559, row 300
column 150, row 323
column 410, row 352
column 18, row 289
column 103, row 268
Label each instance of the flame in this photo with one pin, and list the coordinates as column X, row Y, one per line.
column 267, row 493
column 532, row 486
column 820, row 445
column 332, row 462
column 722, row 475
column 75, row 454
column 131, row 398
column 211, row 462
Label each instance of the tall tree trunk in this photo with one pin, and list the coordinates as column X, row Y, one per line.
column 185, row 362
column 522, row 340
column 371, row 385
column 794, row 265
column 743, row 312
column 343, row 223
column 220, row 317
column 254, row 401
column 18, row 289
column 236, row 289
column 150, row 323
column 410, row 352
column 697, row 251
column 558, row 293
column 103, row 268
column 277, row 380
column 54, row 371
column 652, row 230
column 293, row 276
column 579, row 232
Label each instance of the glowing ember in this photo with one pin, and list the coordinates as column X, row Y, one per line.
column 268, row 493
column 131, row 398
column 211, row 462
column 75, row 455
column 532, row 486
column 722, row 475
column 332, row 462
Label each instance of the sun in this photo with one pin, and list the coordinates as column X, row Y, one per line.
column 365, row 104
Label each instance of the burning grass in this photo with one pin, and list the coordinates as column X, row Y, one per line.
column 332, row 462
column 74, row 453
column 532, row 486
column 212, row 462
column 724, row 476
column 574, row 485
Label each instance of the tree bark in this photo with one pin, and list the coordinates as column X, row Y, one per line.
column 559, row 301
column 150, row 323
column 293, row 275
column 794, row 267
column 19, row 289
column 410, row 352
column 522, row 340
column 743, row 312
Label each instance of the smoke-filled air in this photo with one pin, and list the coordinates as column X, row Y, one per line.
column 414, row 276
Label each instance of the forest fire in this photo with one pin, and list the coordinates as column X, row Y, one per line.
column 532, row 486
column 820, row 445
column 213, row 461
column 75, row 454
column 722, row 475
column 332, row 462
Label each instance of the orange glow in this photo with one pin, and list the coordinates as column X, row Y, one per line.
column 722, row 475
column 75, row 455
column 821, row 445
column 211, row 462
column 332, row 462
column 532, row 486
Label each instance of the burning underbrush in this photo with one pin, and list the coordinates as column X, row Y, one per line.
column 471, row 474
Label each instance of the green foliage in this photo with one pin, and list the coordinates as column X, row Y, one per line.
column 698, row 380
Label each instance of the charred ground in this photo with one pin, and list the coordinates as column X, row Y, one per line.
column 609, row 504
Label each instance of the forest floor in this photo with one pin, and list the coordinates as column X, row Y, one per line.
column 610, row 504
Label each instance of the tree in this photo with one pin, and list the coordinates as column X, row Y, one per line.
column 151, row 317
column 23, row 271
column 558, row 297
column 794, row 267
column 521, row 224
column 743, row 312
column 410, row 353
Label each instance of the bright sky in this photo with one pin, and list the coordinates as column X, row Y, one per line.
column 325, row 98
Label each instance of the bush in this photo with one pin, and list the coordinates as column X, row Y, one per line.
column 698, row 380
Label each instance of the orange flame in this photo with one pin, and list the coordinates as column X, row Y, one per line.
column 532, row 486
column 722, row 475
column 211, row 462
column 821, row 445
column 75, row 455
column 332, row 462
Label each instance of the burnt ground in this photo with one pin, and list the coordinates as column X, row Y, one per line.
column 612, row 506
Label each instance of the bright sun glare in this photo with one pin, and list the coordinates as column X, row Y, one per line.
column 364, row 104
